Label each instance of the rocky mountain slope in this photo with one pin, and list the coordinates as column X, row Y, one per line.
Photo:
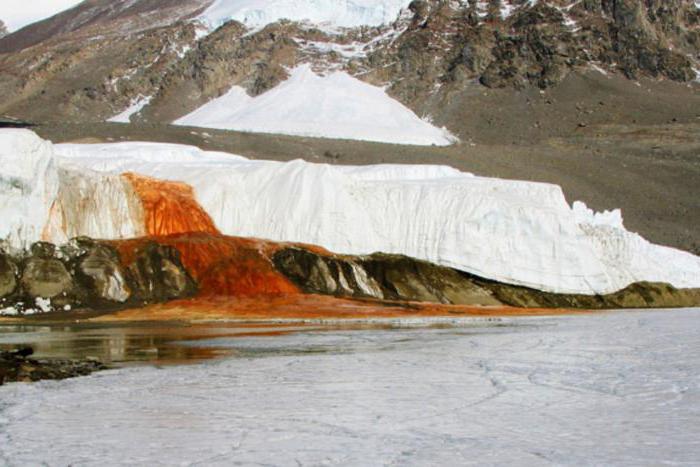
column 103, row 57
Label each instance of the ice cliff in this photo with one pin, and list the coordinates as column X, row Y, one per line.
column 515, row 232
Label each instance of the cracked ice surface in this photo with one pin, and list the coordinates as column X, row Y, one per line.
column 615, row 388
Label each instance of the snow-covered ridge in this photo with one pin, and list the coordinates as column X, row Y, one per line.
column 329, row 13
column 332, row 106
column 515, row 232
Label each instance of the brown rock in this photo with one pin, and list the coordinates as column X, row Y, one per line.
column 8, row 275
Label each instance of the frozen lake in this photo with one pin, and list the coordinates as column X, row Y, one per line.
column 615, row 388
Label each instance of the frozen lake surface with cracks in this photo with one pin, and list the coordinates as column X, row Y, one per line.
column 618, row 388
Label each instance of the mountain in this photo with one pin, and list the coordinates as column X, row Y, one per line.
column 3, row 29
column 101, row 58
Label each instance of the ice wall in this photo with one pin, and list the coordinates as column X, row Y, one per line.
column 516, row 232
column 28, row 185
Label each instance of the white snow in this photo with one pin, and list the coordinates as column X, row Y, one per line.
column 516, row 232
column 607, row 389
column 332, row 106
column 329, row 13
column 136, row 106
column 9, row 311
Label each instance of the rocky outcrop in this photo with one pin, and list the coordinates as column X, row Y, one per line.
column 88, row 274
column 159, row 275
column 99, row 271
column 638, row 295
column 17, row 366
column 391, row 277
column 108, row 276
column 379, row 276
column 44, row 275
column 8, row 275
column 435, row 50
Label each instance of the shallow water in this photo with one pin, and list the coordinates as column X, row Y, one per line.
column 614, row 388
column 128, row 344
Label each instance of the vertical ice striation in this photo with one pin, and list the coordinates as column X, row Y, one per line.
column 28, row 185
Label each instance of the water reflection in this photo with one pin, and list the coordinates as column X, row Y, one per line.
column 121, row 345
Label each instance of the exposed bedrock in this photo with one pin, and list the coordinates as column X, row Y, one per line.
column 159, row 274
column 90, row 274
column 44, row 275
column 395, row 277
column 379, row 276
column 8, row 275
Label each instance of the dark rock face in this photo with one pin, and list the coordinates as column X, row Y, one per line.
column 45, row 276
column 8, row 275
column 18, row 367
column 159, row 275
column 639, row 295
column 379, row 276
column 99, row 270
column 90, row 274
column 401, row 278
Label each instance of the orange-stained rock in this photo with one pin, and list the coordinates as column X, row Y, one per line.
column 170, row 207
column 222, row 266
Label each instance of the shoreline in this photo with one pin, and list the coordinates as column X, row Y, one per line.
column 293, row 309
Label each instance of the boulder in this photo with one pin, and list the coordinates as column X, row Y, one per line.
column 159, row 274
column 44, row 275
column 99, row 270
column 8, row 275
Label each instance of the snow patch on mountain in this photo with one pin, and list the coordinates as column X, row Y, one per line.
column 329, row 13
column 136, row 106
column 332, row 106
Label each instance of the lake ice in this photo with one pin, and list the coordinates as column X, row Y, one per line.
column 618, row 388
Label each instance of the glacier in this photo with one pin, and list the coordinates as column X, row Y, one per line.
column 336, row 105
column 328, row 14
column 606, row 389
column 515, row 232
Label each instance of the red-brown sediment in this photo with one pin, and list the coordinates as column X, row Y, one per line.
column 222, row 266
column 311, row 307
column 169, row 207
